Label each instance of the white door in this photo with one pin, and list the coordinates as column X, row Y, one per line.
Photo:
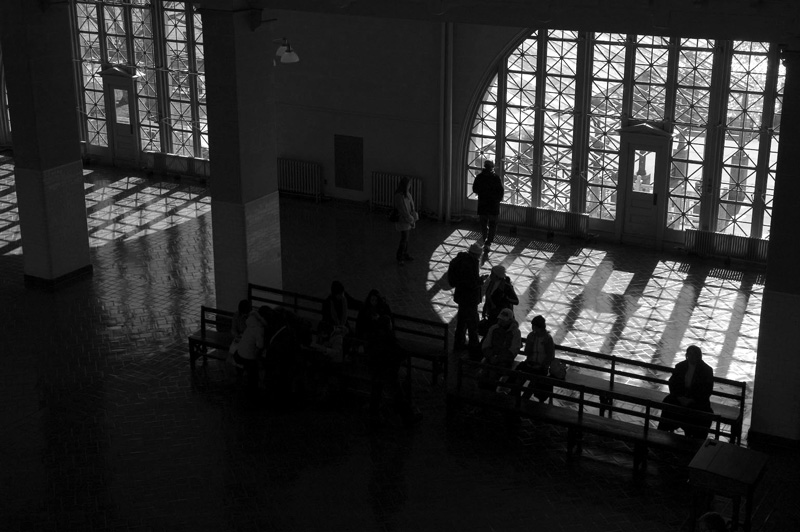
column 643, row 175
column 122, row 123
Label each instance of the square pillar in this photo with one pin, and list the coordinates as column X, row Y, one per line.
column 40, row 78
column 776, row 394
column 245, row 206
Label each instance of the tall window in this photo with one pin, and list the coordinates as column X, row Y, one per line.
column 650, row 78
column 692, row 103
column 774, row 138
column 558, row 119
column 163, row 42
column 518, row 156
column 605, row 112
column 554, row 124
column 741, row 182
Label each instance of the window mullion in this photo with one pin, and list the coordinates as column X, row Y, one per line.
column 627, row 92
column 160, row 52
column 77, row 82
column 194, row 97
column 538, row 128
column 671, row 88
column 502, row 104
column 765, row 138
column 712, row 175
column 580, row 135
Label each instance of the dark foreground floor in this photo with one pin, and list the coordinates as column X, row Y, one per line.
column 102, row 426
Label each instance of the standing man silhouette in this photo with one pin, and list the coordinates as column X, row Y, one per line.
column 489, row 189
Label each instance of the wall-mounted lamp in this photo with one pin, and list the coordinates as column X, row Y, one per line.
column 285, row 52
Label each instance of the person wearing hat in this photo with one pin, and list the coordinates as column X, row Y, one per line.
column 499, row 294
column 489, row 188
column 540, row 351
column 463, row 274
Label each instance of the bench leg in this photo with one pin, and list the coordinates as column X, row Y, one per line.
column 195, row 350
column 453, row 406
column 574, row 442
column 438, row 367
column 605, row 401
column 640, row 457
column 736, row 433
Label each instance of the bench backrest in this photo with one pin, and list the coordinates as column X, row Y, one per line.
column 214, row 319
column 311, row 307
column 579, row 397
column 725, row 391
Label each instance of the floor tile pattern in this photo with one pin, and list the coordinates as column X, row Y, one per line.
column 104, row 427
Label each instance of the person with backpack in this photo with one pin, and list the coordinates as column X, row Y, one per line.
column 463, row 274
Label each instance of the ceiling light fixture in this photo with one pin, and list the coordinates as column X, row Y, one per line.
column 286, row 52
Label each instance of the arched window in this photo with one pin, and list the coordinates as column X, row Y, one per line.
column 5, row 118
column 552, row 114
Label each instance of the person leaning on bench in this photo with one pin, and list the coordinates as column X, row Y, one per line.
column 690, row 386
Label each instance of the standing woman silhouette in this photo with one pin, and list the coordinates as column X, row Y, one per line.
column 407, row 218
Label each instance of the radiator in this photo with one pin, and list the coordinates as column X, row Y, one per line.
column 721, row 245
column 384, row 184
column 571, row 223
column 300, row 177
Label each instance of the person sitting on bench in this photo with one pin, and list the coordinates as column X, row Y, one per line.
column 500, row 345
column 690, row 386
column 540, row 350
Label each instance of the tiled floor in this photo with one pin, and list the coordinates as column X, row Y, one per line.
column 103, row 427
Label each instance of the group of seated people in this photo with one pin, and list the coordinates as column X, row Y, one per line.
column 275, row 349
column 690, row 385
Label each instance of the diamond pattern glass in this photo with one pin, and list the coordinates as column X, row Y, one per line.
column 774, row 138
column 650, row 78
column 608, row 74
column 692, row 101
column 483, row 141
column 122, row 32
column 637, row 77
column 742, row 140
column 558, row 120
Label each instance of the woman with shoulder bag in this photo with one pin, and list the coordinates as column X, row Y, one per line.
column 499, row 294
column 407, row 218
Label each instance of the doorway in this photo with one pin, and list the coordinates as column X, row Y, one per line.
column 120, row 97
column 643, row 182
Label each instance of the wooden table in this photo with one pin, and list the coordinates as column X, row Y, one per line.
column 728, row 470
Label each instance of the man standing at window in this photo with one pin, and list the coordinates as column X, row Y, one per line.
column 489, row 189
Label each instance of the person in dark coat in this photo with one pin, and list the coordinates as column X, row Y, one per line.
column 500, row 345
column 499, row 294
column 468, row 296
column 690, row 386
column 540, row 351
column 375, row 328
column 489, row 189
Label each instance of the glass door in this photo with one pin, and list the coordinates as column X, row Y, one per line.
column 643, row 183
column 122, row 125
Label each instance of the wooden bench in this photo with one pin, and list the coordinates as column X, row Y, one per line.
column 214, row 337
column 567, row 407
column 421, row 339
column 642, row 380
